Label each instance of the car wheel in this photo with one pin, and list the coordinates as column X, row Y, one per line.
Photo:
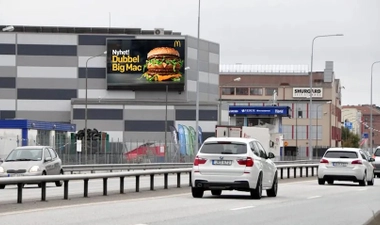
column 2, row 186
column 372, row 181
column 216, row 192
column 273, row 191
column 59, row 183
column 364, row 181
column 257, row 192
column 321, row 181
column 330, row 182
column 197, row 192
column 43, row 174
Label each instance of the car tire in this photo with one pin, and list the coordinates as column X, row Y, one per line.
column 216, row 192
column 59, row 183
column 2, row 186
column 364, row 181
column 330, row 182
column 372, row 181
column 321, row 181
column 257, row 192
column 197, row 192
column 273, row 191
column 43, row 174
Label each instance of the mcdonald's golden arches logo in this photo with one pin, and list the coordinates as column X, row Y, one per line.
column 177, row 44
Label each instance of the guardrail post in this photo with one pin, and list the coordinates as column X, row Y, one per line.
column 282, row 173
column 137, row 183
column 152, row 182
column 85, row 188
column 105, row 186
column 66, row 189
column 43, row 191
column 19, row 193
column 288, row 172
column 178, row 180
column 295, row 172
column 301, row 170
column 121, row 185
column 166, row 181
column 189, row 179
column 307, row 171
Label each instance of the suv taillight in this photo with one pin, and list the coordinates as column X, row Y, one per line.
column 248, row 162
column 198, row 161
column 324, row 161
column 357, row 162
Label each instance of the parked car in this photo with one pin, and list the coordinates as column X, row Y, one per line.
column 31, row 161
column 242, row 164
column 346, row 164
column 376, row 163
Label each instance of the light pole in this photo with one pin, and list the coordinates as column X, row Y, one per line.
column 86, row 103
column 316, row 135
column 311, row 89
column 220, row 98
column 197, row 94
column 371, row 113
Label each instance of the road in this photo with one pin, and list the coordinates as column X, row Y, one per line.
column 298, row 203
column 33, row 193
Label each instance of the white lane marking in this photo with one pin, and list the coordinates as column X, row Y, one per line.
column 141, row 224
column 362, row 189
column 245, row 207
column 313, row 197
column 89, row 204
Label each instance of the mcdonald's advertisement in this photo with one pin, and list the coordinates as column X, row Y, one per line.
column 145, row 64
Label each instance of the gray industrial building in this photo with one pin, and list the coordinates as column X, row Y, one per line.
column 42, row 77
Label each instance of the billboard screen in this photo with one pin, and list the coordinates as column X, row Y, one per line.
column 145, row 64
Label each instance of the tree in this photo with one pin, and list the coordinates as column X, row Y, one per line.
column 349, row 139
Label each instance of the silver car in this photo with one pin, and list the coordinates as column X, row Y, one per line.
column 31, row 161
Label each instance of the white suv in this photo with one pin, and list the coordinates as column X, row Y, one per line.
column 233, row 164
column 346, row 164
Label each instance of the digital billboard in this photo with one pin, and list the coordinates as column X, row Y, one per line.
column 145, row 64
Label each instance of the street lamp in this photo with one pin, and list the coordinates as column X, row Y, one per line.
column 196, row 146
column 220, row 98
column 371, row 114
column 316, row 135
column 86, row 103
column 311, row 89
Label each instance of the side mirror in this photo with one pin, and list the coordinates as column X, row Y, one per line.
column 371, row 160
column 47, row 159
column 271, row 155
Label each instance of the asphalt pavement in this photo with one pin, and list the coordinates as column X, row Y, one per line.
column 298, row 203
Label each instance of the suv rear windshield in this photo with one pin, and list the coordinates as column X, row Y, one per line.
column 377, row 152
column 224, row 147
column 341, row 154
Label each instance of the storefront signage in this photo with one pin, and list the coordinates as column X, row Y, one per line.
column 305, row 92
column 259, row 110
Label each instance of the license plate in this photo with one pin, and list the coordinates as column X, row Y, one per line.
column 15, row 175
column 222, row 162
column 339, row 164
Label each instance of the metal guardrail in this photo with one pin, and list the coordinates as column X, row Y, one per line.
column 148, row 166
column 20, row 181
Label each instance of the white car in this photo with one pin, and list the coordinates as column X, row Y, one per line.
column 242, row 164
column 376, row 163
column 345, row 164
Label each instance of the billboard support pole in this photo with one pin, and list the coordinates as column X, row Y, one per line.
column 371, row 113
column 166, row 124
column 196, row 145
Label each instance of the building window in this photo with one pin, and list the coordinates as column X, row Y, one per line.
column 256, row 91
column 318, row 109
column 270, row 91
column 241, row 91
column 300, row 109
column 314, row 132
column 300, row 132
column 228, row 91
column 287, row 132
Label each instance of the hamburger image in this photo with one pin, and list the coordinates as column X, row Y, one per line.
column 163, row 64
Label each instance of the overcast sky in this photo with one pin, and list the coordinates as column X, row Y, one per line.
column 258, row 32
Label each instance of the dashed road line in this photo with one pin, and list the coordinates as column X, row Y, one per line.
column 313, row 197
column 245, row 207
